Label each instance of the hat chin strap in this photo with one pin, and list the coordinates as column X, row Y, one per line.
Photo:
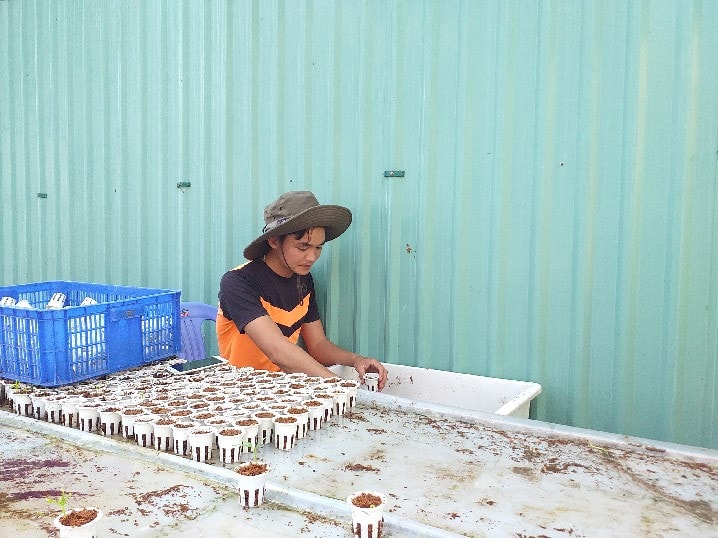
column 284, row 258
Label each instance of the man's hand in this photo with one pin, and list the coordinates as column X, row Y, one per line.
column 366, row 364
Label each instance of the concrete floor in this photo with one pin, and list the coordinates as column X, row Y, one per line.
column 139, row 498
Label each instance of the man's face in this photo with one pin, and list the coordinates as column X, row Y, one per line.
column 300, row 254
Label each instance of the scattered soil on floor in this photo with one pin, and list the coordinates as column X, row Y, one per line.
column 360, row 467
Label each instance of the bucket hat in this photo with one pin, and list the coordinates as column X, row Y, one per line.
column 294, row 211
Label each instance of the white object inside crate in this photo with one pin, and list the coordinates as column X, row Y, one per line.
column 464, row 391
column 57, row 301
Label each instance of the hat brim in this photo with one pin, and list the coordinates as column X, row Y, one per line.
column 335, row 219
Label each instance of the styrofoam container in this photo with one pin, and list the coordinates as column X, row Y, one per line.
column 465, row 391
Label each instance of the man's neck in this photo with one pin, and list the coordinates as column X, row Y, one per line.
column 275, row 262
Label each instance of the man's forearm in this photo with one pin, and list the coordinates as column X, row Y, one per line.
column 330, row 354
column 293, row 358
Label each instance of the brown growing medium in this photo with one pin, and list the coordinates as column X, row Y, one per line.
column 246, row 422
column 217, row 421
column 366, row 500
column 229, row 431
column 296, row 410
column 286, row 420
column 264, row 414
column 182, row 425
column 165, row 422
column 252, row 469
column 78, row 518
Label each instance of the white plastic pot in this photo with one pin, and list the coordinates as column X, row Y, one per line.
column 367, row 522
column 251, row 487
column 88, row 530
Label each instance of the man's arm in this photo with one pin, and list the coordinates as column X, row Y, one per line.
column 328, row 353
column 268, row 337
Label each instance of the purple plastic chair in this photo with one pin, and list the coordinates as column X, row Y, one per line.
column 192, row 317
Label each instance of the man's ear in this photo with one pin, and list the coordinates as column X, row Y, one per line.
column 273, row 242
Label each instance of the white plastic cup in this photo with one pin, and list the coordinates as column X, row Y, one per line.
column 285, row 433
column 252, row 488
column 56, row 301
column 8, row 328
column 201, row 441
column 367, row 522
column 371, row 379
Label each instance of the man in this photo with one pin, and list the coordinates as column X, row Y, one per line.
column 266, row 304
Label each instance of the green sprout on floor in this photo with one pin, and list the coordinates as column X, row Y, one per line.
column 601, row 450
column 60, row 501
column 16, row 385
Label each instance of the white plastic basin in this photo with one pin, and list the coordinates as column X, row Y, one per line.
column 464, row 391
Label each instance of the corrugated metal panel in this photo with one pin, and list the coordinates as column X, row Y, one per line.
column 556, row 222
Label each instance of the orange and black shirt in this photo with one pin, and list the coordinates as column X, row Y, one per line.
column 252, row 290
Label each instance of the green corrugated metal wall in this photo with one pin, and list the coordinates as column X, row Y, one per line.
column 556, row 223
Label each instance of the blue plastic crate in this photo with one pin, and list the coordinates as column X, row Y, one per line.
column 127, row 327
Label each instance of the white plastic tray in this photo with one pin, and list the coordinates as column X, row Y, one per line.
column 464, row 391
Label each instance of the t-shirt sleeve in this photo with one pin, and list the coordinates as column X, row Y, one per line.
column 239, row 299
